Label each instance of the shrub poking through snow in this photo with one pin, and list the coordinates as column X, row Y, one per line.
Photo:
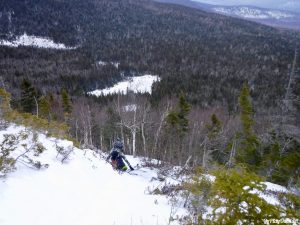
column 51, row 128
column 7, row 163
column 21, row 147
column 234, row 196
column 63, row 153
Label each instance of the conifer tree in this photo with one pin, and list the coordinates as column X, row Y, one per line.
column 44, row 107
column 232, row 198
column 248, row 149
column 184, row 109
column 4, row 102
column 28, row 97
column 213, row 140
column 178, row 118
column 214, row 128
column 66, row 101
column 178, row 127
column 111, row 129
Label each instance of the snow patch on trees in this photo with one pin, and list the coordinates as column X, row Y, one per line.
column 138, row 84
column 31, row 40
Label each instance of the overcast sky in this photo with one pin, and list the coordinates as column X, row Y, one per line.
column 293, row 5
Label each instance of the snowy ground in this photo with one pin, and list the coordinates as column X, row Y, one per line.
column 82, row 190
column 140, row 84
column 30, row 40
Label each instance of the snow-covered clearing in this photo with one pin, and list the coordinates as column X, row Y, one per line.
column 82, row 190
column 140, row 84
column 30, row 40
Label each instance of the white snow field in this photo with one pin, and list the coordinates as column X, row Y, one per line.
column 84, row 190
column 140, row 84
column 30, row 40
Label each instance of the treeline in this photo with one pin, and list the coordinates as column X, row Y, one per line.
column 176, row 132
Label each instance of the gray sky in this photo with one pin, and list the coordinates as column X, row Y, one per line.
column 293, row 5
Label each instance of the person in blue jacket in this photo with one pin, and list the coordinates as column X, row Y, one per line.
column 117, row 156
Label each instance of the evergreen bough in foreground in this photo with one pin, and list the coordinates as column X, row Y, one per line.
column 232, row 197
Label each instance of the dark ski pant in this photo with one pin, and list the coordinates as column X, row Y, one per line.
column 118, row 164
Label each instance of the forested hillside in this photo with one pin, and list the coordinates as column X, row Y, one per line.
column 226, row 96
column 208, row 56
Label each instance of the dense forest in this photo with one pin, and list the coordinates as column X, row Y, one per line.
column 206, row 55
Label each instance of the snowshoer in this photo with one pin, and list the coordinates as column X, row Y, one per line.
column 117, row 156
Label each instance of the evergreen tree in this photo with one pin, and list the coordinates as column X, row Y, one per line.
column 214, row 140
column 28, row 97
column 284, row 161
column 248, row 149
column 5, row 98
column 44, row 107
column 66, row 103
column 178, row 119
column 232, row 198
column 184, row 109
column 178, row 125
column 55, row 109
column 214, row 128
column 111, row 129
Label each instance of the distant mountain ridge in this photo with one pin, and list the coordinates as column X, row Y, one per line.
column 253, row 12
column 272, row 17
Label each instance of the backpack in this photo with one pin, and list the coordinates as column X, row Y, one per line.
column 115, row 154
column 117, row 161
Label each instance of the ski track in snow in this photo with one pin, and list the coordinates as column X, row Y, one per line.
column 83, row 191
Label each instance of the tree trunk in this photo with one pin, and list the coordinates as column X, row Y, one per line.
column 204, row 154
column 101, row 141
column 89, row 126
column 143, row 134
column 76, row 129
column 37, row 107
column 134, row 134
column 163, row 117
column 232, row 154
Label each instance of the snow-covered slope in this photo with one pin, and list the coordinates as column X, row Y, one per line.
column 140, row 84
column 29, row 40
column 83, row 190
